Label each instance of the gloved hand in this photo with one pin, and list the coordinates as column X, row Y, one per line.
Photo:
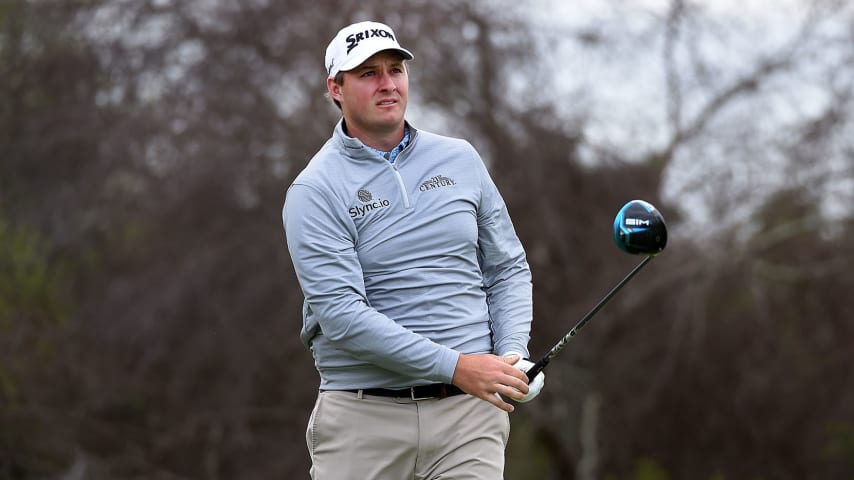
column 536, row 385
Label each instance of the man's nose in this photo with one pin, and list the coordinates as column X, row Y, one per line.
column 387, row 83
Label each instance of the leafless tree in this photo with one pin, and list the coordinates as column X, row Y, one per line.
column 149, row 314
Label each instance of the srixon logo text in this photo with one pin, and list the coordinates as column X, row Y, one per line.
column 354, row 38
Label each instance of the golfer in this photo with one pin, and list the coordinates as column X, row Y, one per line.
column 417, row 291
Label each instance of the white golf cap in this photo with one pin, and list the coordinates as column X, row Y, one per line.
column 356, row 43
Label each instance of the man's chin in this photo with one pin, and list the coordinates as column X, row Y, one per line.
column 389, row 122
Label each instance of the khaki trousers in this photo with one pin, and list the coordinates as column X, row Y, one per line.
column 356, row 437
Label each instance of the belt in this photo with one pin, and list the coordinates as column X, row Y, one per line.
column 421, row 392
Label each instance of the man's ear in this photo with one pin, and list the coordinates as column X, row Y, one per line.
column 333, row 88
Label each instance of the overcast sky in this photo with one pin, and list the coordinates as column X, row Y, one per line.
column 618, row 80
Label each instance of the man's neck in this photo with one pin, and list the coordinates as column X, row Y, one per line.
column 383, row 141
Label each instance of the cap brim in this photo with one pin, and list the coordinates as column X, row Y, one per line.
column 360, row 59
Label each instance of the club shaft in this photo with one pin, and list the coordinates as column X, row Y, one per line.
column 541, row 364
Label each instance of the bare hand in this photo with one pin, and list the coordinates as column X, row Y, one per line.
column 485, row 375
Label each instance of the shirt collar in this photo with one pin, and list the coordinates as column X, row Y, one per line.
column 392, row 155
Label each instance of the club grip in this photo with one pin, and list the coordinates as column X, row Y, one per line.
column 537, row 368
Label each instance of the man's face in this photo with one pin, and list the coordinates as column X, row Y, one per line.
column 373, row 96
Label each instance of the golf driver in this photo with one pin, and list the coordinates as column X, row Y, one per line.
column 638, row 229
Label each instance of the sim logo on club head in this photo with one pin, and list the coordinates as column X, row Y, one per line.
column 637, row 222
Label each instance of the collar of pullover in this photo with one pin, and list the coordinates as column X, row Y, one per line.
column 391, row 155
column 354, row 144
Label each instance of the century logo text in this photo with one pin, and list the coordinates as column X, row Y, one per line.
column 436, row 182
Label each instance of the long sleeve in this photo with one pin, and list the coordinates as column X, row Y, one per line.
column 507, row 276
column 404, row 266
column 321, row 242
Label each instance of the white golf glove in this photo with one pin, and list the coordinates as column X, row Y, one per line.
column 536, row 385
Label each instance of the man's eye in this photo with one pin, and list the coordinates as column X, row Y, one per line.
column 367, row 74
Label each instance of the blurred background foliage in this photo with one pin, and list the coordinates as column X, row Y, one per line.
column 149, row 314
